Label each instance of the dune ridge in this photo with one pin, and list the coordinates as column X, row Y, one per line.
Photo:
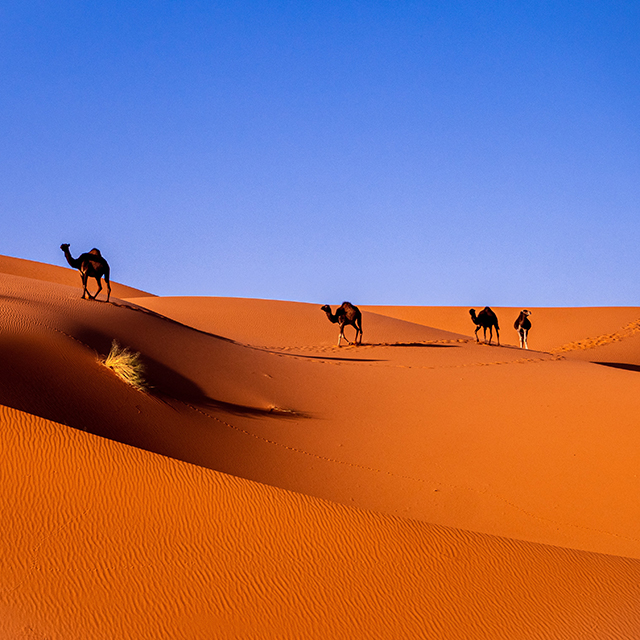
column 270, row 484
column 58, row 275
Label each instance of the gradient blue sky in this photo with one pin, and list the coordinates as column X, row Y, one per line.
column 390, row 152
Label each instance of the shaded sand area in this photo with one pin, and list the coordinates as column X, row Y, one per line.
column 269, row 484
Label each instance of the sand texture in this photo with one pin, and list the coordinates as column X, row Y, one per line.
column 268, row 484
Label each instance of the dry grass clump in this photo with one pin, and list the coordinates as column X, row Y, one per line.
column 126, row 365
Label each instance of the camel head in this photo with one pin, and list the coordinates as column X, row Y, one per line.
column 327, row 309
column 472, row 313
column 64, row 247
column 526, row 312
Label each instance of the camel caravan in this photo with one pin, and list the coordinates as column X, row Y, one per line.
column 348, row 314
column 93, row 265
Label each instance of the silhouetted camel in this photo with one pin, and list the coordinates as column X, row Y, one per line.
column 522, row 326
column 487, row 320
column 346, row 314
column 90, row 265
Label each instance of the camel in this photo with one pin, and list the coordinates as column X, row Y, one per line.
column 486, row 319
column 346, row 314
column 90, row 265
column 522, row 326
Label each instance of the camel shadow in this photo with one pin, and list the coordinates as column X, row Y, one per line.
column 426, row 345
column 626, row 366
column 308, row 357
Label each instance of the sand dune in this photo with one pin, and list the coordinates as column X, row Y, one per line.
column 269, row 484
column 59, row 275
column 110, row 541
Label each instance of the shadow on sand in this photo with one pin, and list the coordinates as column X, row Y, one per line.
column 626, row 366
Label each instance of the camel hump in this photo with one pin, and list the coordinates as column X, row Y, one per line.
column 488, row 313
column 95, row 252
column 350, row 311
column 95, row 259
column 347, row 306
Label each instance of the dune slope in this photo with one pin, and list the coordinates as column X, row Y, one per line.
column 106, row 541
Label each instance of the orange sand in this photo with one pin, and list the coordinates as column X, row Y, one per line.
column 272, row 485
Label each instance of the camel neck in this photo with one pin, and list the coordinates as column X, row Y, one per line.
column 70, row 259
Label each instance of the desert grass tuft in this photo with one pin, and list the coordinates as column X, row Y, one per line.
column 126, row 365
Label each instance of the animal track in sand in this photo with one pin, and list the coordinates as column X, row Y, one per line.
column 629, row 330
column 299, row 353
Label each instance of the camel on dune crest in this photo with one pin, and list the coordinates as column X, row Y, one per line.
column 522, row 326
column 90, row 265
column 346, row 314
column 486, row 319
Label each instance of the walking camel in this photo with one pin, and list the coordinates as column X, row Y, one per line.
column 90, row 265
column 522, row 326
column 486, row 319
column 346, row 314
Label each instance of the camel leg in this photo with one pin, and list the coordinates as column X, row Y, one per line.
column 477, row 329
column 355, row 340
column 498, row 336
column 106, row 279
column 99, row 288
column 526, row 335
column 85, row 292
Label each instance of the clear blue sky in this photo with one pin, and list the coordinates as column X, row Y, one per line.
column 388, row 152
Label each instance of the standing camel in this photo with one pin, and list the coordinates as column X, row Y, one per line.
column 486, row 319
column 90, row 265
column 522, row 326
column 346, row 314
